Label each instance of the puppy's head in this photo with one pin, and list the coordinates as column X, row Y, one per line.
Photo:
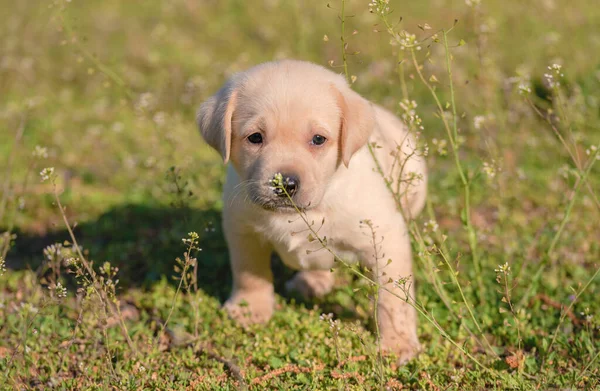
column 291, row 118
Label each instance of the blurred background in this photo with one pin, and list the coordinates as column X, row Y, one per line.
column 109, row 89
column 101, row 96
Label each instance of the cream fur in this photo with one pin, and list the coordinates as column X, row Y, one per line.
column 288, row 102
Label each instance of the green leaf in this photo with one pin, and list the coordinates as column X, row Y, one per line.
column 275, row 362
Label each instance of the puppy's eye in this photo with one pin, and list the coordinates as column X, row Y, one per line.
column 255, row 138
column 318, row 140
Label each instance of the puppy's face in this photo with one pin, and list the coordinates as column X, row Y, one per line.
column 289, row 120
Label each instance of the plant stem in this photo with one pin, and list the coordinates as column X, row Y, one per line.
column 472, row 236
column 343, row 40
column 537, row 275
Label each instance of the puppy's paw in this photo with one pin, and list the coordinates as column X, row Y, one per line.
column 311, row 283
column 250, row 309
column 405, row 348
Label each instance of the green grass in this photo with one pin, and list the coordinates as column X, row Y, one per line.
column 111, row 88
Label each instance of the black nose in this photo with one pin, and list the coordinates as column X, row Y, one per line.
column 291, row 184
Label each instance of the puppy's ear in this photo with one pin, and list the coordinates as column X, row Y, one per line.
column 358, row 121
column 214, row 119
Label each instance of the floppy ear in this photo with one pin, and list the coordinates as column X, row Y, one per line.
column 358, row 121
column 214, row 119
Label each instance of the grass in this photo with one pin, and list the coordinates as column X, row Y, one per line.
column 507, row 275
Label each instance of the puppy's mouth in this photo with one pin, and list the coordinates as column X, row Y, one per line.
column 282, row 205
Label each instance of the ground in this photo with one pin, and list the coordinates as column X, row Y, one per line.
column 105, row 94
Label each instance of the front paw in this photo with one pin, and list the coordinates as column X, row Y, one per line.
column 404, row 347
column 250, row 308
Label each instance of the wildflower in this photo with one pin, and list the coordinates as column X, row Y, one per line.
column 2, row 266
column 192, row 240
column 524, row 89
column 40, row 152
column 277, row 180
column 52, row 251
column 587, row 315
column 556, row 68
column 441, row 146
column 490, row 169
column 402, row 282
column 503, row 269
column 407, row 40
column 430, row 226
column 379, row 7
column 47, row 173
column 410, row 116
column 71, row 261
column 59, row 290
column 478, row 121
column 145, row 102
column 554, row 75
column 333, row 324
column 593, row 150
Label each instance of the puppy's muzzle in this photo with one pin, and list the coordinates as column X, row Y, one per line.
column 290, row 183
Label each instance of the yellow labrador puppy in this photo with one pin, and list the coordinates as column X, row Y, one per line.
column 304, row 122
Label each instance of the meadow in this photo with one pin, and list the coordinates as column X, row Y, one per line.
column 113, row 265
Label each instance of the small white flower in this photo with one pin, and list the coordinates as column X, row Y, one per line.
column 2, row 266
column 40, row 152
column 430, row 226
column 146, row 101
column 490, row 169
column 524, row 88
column 591, row 150
column 59, row 290
column 440, row 146
column 503, row 269
column 47, row 173
column 379, row 7
column 478, row 121
column 555, row 74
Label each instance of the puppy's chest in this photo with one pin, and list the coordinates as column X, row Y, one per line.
column 301, row 247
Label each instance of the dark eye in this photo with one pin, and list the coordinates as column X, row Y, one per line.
column 318, row 139
column 255, row 138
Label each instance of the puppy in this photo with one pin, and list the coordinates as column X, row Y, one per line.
column 305, row 123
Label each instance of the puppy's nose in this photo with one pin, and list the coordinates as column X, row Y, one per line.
column 291, row 184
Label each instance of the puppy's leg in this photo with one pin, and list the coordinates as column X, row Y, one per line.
column 252, row 298
column 396, row 318
column 311, row 283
